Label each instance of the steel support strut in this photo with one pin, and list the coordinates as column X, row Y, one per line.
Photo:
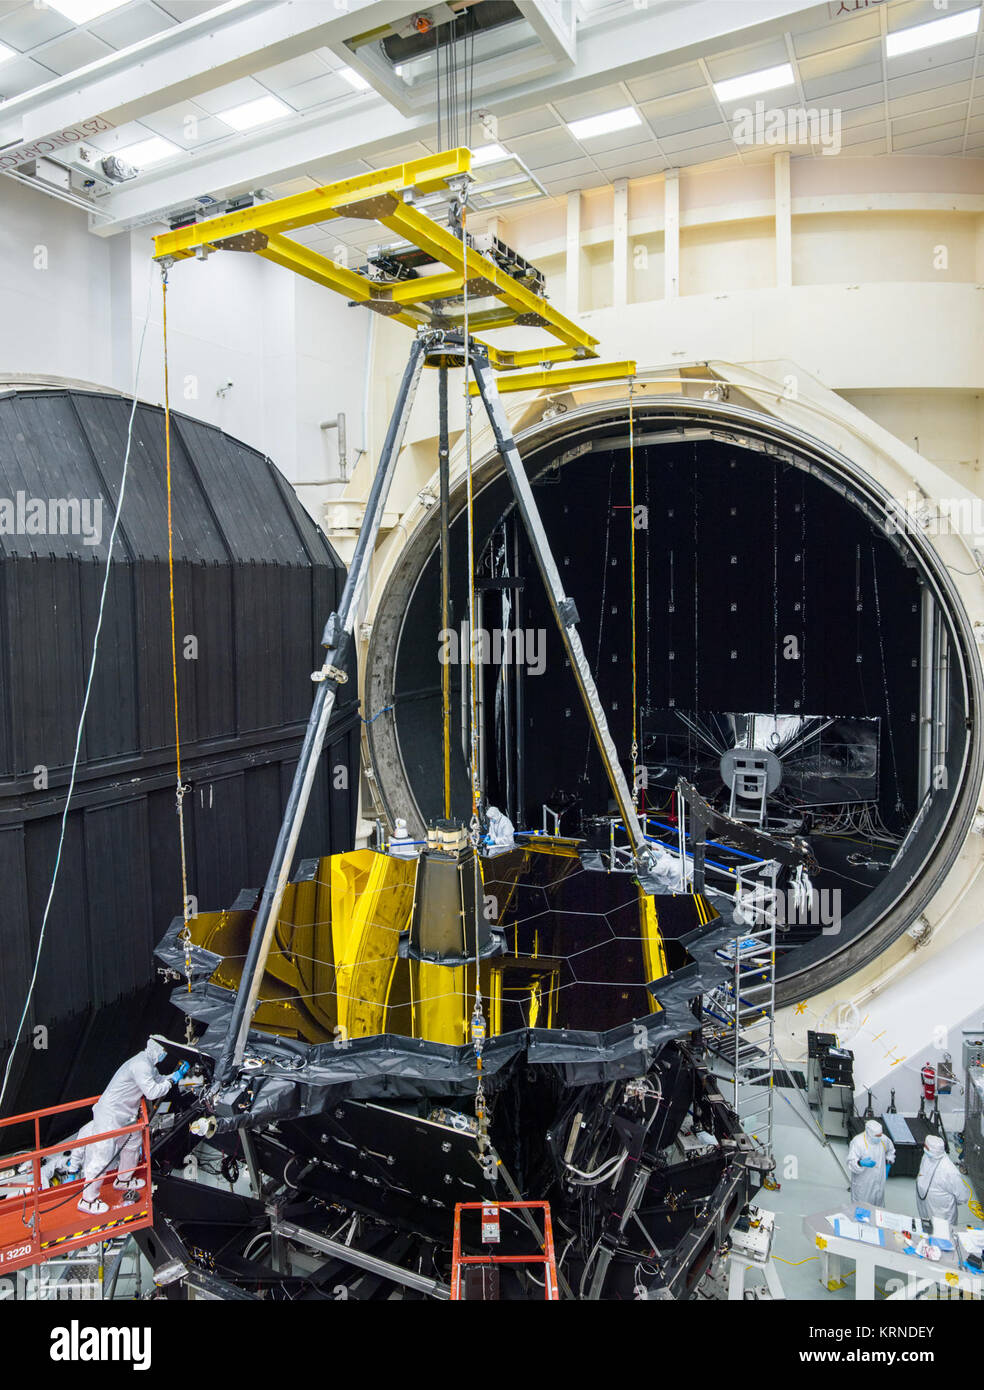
column 563, row 607
column 337, row 641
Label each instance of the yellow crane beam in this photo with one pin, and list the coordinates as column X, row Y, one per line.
column 379, row 196
column 586, row 374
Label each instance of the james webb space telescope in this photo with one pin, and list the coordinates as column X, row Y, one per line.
column 768, row 770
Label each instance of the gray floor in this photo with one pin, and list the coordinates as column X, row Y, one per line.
column 812, row 1180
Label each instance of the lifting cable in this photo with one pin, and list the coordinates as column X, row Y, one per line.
column 181, row 790
column 478, row 1024
column 632, row 603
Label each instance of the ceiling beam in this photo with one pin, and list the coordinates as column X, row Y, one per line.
column 181, row 63
column 553, row 22
column 367, row 127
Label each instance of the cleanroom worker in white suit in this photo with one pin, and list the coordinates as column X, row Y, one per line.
column 939, row 1187
column 869, row 1157
column 117, row 1107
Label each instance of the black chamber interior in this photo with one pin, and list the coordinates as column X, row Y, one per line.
column 741, row 552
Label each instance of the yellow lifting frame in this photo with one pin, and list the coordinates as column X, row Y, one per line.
column 378, row 196
column 579, row 375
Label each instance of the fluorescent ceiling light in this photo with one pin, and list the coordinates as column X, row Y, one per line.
column 765, row 80
column 147, row 152
column 261, row 111
column 955, row 26
column 488, row 154
column 591, row 126
column 81, row 11
column 6, row 53
column 354, row 79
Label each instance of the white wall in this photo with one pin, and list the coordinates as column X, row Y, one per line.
column 55, row 284
column 294, row 351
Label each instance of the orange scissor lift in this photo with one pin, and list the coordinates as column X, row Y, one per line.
column 37, row 1222
column 490, row 1210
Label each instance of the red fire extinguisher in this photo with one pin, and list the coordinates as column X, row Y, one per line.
column 928, row 1075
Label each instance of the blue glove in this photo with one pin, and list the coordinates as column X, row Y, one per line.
column 888, row 1169
column 866, row 1162
column 179, row 1072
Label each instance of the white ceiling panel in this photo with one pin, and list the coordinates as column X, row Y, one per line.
column 569, row 169
column 858, row 135
column 905, row 13
column 929, row 79
column 292, row 73
column 549, row 147
column 232, row 94
column 591, row 103
column 961, row 50
column 526, row 123
column 845, row 29
column 403, row 155
column 328, row 87
column 932, row 139
column 846, row 60
column 73, row 51
column 703, row 154
column 25, row 27
column 120, row 137
column 750, row 59
column 623, row 166
column 863, row 115
column 187, row 9
column 926, row 101
column 557, row 188
column 929, row 120
column 331, row 170
column 832, row 84
column 186, row 125
column 619, row 140
column 130, row 25
column 664, row 84
column 22, row 75
column 688, row 111
column 879, row 146
column 708, row 135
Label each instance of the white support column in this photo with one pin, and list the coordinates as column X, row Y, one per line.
column 671, row 234
column 572, row 305
column 784, row 221
column 620, row 243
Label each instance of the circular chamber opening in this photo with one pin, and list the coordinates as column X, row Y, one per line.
column 799, row 654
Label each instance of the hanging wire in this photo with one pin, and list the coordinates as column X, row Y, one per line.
column 899, row 804
column 775, row 593
column 803, row 593
column 181, row 789
column 632, row 600
column 696, row 589
column 604, row 588
column 85, row 707
column 649, row 615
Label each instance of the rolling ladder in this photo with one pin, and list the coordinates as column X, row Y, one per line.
column 742, row 1011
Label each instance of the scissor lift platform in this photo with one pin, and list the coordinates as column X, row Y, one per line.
column 38, row 1222
column 543, row 1255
